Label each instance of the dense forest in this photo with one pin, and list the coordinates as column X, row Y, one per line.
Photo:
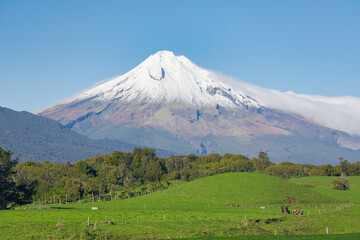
column 125, row 174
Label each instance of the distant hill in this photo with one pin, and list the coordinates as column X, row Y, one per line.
column 35, row 138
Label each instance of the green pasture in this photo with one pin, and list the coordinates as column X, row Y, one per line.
column 199, row 210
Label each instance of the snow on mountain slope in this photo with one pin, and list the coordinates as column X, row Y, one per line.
column 164, row 77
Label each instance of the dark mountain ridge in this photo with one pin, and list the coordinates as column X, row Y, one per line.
column 35, row 138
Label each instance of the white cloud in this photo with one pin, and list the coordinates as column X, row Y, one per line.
column 341, row 113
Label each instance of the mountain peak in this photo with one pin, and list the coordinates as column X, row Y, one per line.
column 164, row 53
column 166, row 59
column 163, row 57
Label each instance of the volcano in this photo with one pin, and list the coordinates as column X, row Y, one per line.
column 169, row 102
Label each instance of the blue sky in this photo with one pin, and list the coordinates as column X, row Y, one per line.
column 50, row 50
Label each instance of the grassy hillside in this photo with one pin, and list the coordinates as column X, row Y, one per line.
column 192, row 210
column 245, row 189
column 323, row 185
column 343, row 221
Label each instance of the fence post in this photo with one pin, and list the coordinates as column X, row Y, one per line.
column 88, row 221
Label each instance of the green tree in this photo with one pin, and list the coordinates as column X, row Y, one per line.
column 344, row 166
column 12, row 193
column 317, row 172
column 83, row 167
column 153, row 171
column 135, row 166
column 174, row 163
column 111, row 160
column 7, row 185
column 262, row 162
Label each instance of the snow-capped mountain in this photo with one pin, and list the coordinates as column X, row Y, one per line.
column 170, row 103
column 166, row 78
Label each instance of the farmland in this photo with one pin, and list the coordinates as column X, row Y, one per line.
column 220, row 207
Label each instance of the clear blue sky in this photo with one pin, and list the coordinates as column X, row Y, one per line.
column 50, row 50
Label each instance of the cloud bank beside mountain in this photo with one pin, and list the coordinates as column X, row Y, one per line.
column 341, row 113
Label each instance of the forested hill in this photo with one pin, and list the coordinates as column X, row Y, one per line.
column 35, row 138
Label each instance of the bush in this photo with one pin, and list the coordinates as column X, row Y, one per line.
column 341, row 183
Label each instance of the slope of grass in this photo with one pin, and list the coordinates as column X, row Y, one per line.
column 245, row 188
column 346, row 219
column 323, row 185
column 192, row 209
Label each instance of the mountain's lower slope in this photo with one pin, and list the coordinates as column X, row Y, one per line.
column 35, row 138
column 185, row 129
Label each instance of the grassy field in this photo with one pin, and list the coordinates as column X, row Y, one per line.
column 199, row 210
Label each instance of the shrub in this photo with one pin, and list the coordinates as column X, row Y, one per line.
column 341, row 183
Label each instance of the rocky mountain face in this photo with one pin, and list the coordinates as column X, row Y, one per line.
column 170, row 103
column 35, row 138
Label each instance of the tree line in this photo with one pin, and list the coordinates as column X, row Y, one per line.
column 129, row 174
